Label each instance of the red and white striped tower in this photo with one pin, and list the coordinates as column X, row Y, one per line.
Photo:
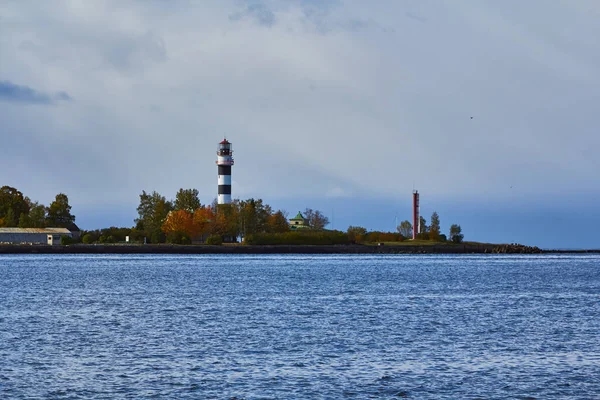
column 416, row 219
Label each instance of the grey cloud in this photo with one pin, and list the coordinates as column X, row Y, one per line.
column 415, row 17
column 319, row 105
column 130, row 52
column 259, row 12
column 12, row 92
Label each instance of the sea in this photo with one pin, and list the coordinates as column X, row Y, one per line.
column 299, row 327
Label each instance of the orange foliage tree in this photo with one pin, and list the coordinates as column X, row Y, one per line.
column 180, row 221
column 203, row 220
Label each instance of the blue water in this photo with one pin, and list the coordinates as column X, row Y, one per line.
column 299, row 327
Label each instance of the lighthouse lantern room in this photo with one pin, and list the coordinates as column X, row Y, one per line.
column 224, row 163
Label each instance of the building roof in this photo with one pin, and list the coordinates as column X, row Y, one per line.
column 299, row 216
column 35, row 230
column 225, row 141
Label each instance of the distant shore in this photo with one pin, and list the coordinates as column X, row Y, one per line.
column 467, row 248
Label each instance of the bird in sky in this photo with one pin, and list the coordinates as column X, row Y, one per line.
column 471, row 117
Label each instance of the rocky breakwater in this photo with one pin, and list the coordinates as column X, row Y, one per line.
column 515, row 248
column 441, row 248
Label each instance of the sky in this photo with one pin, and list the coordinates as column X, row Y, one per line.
column 489, row 109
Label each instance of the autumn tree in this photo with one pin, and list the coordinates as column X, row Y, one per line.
column 203, row 219
column 405, row 228
column 187, row 199
column 316, row 219
column 434, row 228
column 226, row 222
column 277, row 222
column 179, row 221
column 456, row 235
column 59, row 212
column 356, row 233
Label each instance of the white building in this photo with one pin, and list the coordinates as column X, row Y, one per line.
column 49, row 236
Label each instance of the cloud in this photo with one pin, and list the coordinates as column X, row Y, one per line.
column 11, row 92
column 318, row 99
column 415, row 17
column 259, row 12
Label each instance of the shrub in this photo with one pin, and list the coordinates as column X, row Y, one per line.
column 377, row 236
column 214, row 240
column 298, row 238
column 157, row 237
column 87, row 238
column 106, row 239
column 66, row 240
column 423, row 236
column 178, row 238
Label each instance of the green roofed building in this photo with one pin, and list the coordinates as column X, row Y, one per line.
column 299, row 222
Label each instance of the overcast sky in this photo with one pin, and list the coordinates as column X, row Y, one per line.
column 489, row 108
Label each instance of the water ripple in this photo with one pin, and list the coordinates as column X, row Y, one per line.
column 323, row 327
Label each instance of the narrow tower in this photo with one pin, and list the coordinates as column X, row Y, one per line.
column 416, row 219
column 224, row 163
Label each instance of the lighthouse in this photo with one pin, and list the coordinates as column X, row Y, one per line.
column 224, row 163
column 416, row 216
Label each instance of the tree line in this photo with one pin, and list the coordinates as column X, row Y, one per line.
column 18, row 210
column 186, row 218
column 432, row 231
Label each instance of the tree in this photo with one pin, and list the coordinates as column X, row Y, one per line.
column 253, row 216
column 316, row 219
column 179, row 221
column 203, row 219
column 423, row 225
column 456, row 235
column 10, row 219
column 434, row 228
column 59, row 212
column 405, row 228
column 277, row 223
column 356, row 233
column 12, row 199
column 36, row 217
column 153, row 211
column 187, row 199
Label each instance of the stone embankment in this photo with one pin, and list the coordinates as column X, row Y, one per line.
column 515, row 248
column 467, row 248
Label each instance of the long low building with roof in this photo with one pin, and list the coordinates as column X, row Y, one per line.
column 49, row 236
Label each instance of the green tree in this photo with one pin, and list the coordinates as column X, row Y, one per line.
column 316, row 219
column 434, row 228
column 59, row 212
column 187, row 199
column 423, row 225
column 12, row 199
column 405, row 228
column 152, row 211
column 456, row 235
column 254, row 216
column 10, row 220
column 36, row 217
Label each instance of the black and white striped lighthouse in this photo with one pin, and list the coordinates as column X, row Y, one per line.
column 224, row 163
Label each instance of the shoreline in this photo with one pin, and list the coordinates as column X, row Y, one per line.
column 470, row 248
